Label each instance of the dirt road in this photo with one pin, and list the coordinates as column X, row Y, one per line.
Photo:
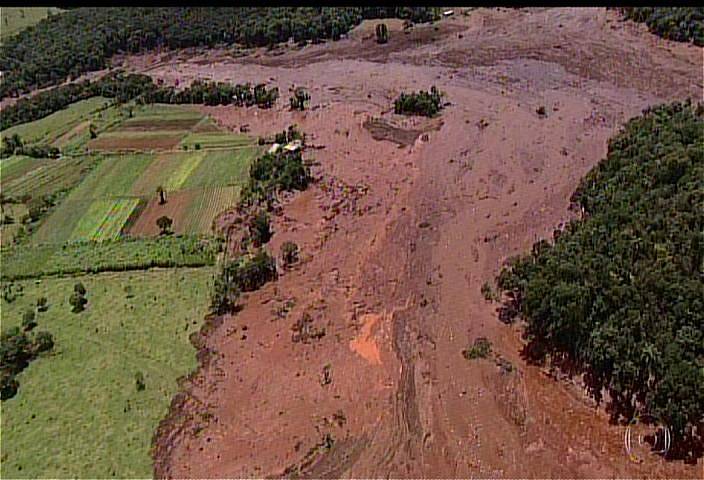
column 397, row 239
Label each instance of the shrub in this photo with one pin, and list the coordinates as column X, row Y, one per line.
column 139, row 381
column 480, row 349
column 299, row 99
column 28, row 320
column 421, row 103
column 42, row 304
column 289, row 253
column 78, row 302
column 43, row 342
column 79, row 288
column 259, row 228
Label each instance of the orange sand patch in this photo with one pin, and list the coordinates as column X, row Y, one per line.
column 365, row 344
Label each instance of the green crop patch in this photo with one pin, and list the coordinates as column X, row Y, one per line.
column 207, row 205
column 104, row 219
column 21, row 262
column 114, row 177
column 217, row 140
column 78, row 412
column 37, row 178
column 223, row 167
column 52, row 127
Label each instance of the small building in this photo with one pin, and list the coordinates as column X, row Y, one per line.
column 448, row 13
column 274, row 148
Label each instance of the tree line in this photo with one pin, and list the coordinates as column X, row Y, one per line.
column 619, row 295
column 82, row 40
column 682, row 24
column 141, row 88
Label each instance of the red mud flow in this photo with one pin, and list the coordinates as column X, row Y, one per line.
column 350, row 364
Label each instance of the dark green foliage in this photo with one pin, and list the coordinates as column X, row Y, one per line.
column 78, row 302
column 274, row 172
column 289, row 135
column 382, row 33
column 79, row 288
column 29, row 320
column 17, row 349
column 164, row 223
column 259, row 228
column 123, row 88
column 84, row 39
column 620, row 294
column 42, row 304
column 421, row 103
column 682, row 24
column 299, row 99
column 481, row 348
column 243, row 274
column 43, row 342
column 289, row 253
column 139, row 381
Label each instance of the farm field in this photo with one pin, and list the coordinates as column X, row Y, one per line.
column 68, row 127
column 21, row 262
column 15, row 19
column 12, row 214
column 83, row 395
column 38, row 177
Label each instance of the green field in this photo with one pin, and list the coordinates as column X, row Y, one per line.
column 217, row 140
column 109, row 256
column 51, row 128
column 77, row 412
column 15, row 19
column 12, row 214
column 39, row 177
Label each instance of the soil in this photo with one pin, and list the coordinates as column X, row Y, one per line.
column 165, row 142
column 176, row 207
column 397, row 236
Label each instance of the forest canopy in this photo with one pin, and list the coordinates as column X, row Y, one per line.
column 620, row 294
column 682, row 24
column 84, row 39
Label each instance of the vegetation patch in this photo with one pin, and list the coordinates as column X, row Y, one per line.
column 619, row 294
column 682, row 24
column 20, row 262
column 421, row 103
column 84, row 393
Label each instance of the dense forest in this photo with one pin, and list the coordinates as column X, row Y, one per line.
column 620, row 293
column 84, row 39
column 682, row 24
column 140, row 88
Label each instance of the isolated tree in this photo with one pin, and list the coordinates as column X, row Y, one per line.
column 161, row 194
column 139, row 381
column 382, row 33
column 164, row 223
column 77, row 302
column 42, row 304
column 289, row 253
column 299, row 99
column 79, row 288
column 28, row 320
column 93, row 131
column 43, row 342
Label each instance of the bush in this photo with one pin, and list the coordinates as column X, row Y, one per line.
column 43, row 342
column 28, row 320
column 42, row 304
column 299, row 99
column 480, row 349
column 139, row 381
column 289, row 253
column 259, row 229
column 244, row 274
column 78, row 302
column 421, row 103
column 79, row 288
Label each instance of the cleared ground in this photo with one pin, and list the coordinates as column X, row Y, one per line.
column 77, row 412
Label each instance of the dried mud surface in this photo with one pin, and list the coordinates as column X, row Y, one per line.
column 397, row 237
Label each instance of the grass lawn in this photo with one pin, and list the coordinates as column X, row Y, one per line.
column 15, row 19
column 52, row 127
column 77, row 412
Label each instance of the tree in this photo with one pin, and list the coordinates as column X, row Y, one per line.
column 161, row 194
column 78, row 302
column 382, row 33
column 299, row 99
column 42, row 304
column 93, row 131
column 79, row 288
column 28, row 320
column 164, row 223
column 139, row 381
column 259, row 229
column 43, row 342
column 289, row 253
